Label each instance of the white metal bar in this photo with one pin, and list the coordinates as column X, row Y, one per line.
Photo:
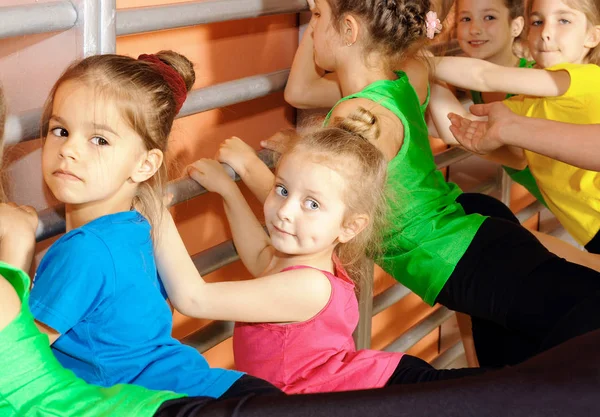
column 199, row 100
column 88, row 24
column 449, row 356
column 411, row 337
column 389, row 297
column 108, row 27
column 233, row 92
column 36, row 18
column 148, row 19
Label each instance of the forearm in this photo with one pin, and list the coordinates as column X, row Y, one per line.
column 176, row 268
column 577, row 145
column 17, row 253
column 443, row 102
column 251, row 241
column 467, row 73
column 308, row 86
column 258, row 178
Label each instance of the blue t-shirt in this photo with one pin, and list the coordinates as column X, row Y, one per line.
column 98, row 286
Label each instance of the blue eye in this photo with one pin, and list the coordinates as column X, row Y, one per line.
column 100, row 141
column 564, row 21
column 60, row 132
column 281, row 191
column 311, row 204
column 536, row 23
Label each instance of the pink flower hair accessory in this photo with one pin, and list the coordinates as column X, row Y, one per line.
column 432, row 24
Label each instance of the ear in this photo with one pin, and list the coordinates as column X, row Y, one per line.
column 350, row 28
column 352, row 227
column 516, row 26
column 149, row 163
column 593, row 38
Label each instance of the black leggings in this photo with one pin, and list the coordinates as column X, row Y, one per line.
column 533, row 299
column 563, row 381
column 413, row 370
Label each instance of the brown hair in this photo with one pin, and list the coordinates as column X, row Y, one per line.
column 591, row 10
column 146, row 102
column 2, row 122
column 395, row 28
column 345, row 146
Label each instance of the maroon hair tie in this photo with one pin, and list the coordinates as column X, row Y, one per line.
column 171, row 76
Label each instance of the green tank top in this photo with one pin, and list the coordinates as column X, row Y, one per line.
column 524, row 176
column 428, row 231
column 33, row 382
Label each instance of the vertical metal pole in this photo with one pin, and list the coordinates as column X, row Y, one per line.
column 96, row 23
column 88, row 23
column 505, row 183
column 362, row 334
column 108, row 27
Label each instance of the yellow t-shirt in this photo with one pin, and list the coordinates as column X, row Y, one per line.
column 572, row 193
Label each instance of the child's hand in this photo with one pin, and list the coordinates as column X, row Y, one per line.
column 237, row 154
column 211, row 175
column 17, row 234
column 279, row 141
column 311, row 4
column 481, row 137
column 20, row 221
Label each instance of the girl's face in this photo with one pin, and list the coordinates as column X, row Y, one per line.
column 90, row 152
column 558, row 33
column 484, row 28
column 304, row 212
column 326, row 39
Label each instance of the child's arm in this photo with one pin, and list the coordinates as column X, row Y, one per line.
column 17, row 235
column 295, row 295
column 244, row 161
column 444, row 102
column 480, row 75
column 308, row 86
column 251, row 241
column 576, row 145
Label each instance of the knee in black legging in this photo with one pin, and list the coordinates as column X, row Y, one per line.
column 486, row 206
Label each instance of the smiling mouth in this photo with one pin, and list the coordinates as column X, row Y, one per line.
column 282, row 231
column 477, row 43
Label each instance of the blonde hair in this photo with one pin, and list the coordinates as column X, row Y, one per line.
column 345, row 147
column 591, row 10
column 2, row 123
column 146, row 102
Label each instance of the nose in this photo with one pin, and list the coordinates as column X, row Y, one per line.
column 286, row 210
column 69, row 149
column 546, row 32
column 474, row 28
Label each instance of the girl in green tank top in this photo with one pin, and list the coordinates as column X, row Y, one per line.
column 490, row 268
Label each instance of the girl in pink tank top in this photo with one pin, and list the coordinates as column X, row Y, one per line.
column 295, row 320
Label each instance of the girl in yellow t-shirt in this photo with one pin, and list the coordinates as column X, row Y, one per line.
column 563, row 38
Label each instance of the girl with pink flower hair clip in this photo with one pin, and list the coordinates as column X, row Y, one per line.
column 491, row 268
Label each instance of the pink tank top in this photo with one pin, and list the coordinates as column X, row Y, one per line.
column 317, row 355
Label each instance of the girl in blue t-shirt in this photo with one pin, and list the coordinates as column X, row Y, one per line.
column 97, row 293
